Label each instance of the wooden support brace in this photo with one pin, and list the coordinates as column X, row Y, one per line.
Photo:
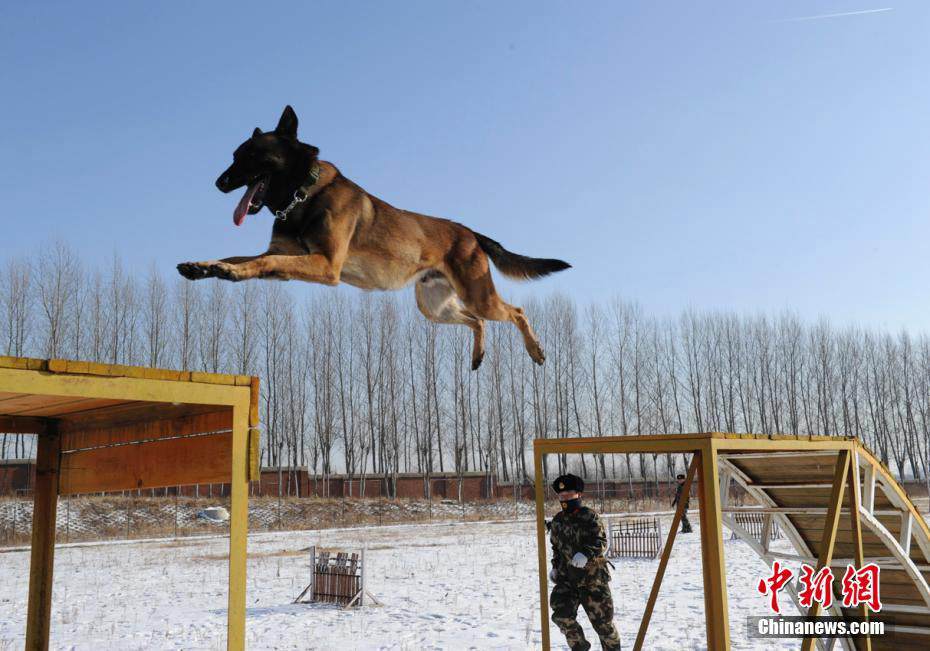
column 856, row 527
column 38, row 619
column 238, row 529
column 906, row 521
column 831, row 524
column 541, row 544
column 868, row 487
column 765, row 537
column 666, row 553
column 716, row 613
column 724, row 488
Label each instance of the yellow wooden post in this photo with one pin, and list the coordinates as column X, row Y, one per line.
column 45, row 508
column 854, row 500
column 666, row 553
column 238, row 527
column 541, row 544
column 715, row 580
column 830, row 526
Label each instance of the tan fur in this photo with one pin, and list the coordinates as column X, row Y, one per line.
column 347, row 235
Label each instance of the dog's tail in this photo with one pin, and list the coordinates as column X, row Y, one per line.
column 516, row 265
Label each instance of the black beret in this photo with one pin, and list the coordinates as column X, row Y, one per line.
column 568, row 483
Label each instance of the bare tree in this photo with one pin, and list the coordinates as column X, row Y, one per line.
column 155, row 320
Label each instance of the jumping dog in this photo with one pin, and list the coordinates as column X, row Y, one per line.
column 329, row 230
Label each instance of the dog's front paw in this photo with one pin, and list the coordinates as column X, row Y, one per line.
column 193, row 270
column 224, row 270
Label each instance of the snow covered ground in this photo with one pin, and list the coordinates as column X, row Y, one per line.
column 447, row 586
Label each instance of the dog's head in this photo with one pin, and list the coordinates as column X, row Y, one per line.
column 271, row 165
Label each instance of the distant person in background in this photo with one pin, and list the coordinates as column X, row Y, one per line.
column 685, row 525
column 579, row 569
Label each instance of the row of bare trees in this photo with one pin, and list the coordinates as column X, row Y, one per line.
column 360, row 383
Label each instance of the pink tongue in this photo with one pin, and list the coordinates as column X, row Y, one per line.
column 243, row 207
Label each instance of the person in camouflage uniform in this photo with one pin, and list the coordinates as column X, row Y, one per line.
column 685, row 524
column 579, row 569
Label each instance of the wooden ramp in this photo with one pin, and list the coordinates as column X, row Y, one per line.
column 795, row 490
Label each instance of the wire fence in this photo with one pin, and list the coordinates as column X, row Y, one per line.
column 85, row 518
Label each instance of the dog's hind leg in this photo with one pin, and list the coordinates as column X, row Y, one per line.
column 475, row 288
column 438, row 302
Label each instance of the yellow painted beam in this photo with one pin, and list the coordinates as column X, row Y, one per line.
column 238, row 526
column 810, row 438
column 787, row 444
column 621, row 444
column 68, row 366
column 118, row 388
column 856, row 526
column 253, row 402
column 830, row 526
column 24, row 363
column 716, row 615
column 255, row 471
column 45, row 506
column 686, row 443
column 541, row 545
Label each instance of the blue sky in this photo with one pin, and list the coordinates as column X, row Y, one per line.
column 709, row 155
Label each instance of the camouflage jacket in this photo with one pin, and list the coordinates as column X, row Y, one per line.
column 578, row 531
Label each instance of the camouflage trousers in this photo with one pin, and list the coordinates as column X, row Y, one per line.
column 597, row 602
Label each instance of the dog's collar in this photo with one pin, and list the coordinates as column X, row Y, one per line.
column 300, row 194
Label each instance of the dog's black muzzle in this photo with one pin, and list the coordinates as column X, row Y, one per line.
column 230, row 181
column 225, row 184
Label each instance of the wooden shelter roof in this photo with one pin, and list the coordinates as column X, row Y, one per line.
column 124, row 427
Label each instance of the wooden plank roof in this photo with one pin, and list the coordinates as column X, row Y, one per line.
column 24, row 411
column 145, row 427
column 119, row 370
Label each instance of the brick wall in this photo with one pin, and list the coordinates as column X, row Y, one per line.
column 17, row 476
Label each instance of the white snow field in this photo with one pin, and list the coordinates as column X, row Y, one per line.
column 445, row 586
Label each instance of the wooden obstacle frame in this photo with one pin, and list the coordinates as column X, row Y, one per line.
column 834, row 501
column 633, row 537
column 105, row 428
column 336, row 579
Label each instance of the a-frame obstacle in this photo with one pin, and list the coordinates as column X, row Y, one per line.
column 104, row 428
column 834, row 501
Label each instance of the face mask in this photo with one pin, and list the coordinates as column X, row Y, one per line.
column 570, row 505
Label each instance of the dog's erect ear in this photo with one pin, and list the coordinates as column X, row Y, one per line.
column 256, row 133
column 287, row 125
